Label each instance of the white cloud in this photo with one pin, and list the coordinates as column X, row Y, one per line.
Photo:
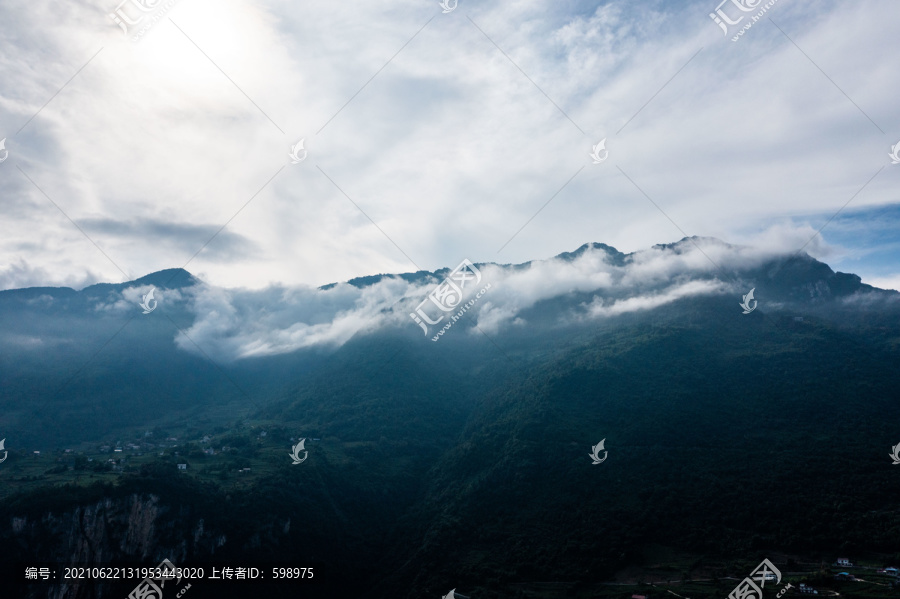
column 601, row 307
column 888, row 282
column 19, row 274
column 240, row 323
column 449, row 149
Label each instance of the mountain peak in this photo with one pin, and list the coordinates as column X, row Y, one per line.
column 169, row 278
column 689, row 243
column 615, row 256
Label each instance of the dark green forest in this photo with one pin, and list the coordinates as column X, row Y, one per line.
column 465, row 465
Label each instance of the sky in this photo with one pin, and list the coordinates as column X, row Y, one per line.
column 430, row 137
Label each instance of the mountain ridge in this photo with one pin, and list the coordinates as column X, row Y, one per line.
column 163, row 278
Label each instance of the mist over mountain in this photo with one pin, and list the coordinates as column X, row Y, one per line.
column 91, row 357
column 461, row 461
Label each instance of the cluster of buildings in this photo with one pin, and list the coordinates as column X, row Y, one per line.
column 131, row 448
column 843, row 562
column 121, row 452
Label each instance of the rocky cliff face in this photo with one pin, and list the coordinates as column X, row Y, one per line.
column 138, row 529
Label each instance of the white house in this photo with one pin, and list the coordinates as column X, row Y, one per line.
column 182, row 466
column 843, row 561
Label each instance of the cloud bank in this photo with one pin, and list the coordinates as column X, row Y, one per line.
column 234, row 324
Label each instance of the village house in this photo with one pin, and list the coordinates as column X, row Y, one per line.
column 843, row 561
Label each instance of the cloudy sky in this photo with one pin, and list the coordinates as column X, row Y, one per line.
column 431, row 137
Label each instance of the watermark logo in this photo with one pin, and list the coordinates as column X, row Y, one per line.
column 6, row 453
column 595, row 453
column 764, row 572
column 447, row 296
column 295, row 452
column 894, row 456
column 164, row 572
column 296, row 158
column 449, row 6
column 745, row 304
column 144, row 9
column 895, row 153
column 121, row 18
column 145, row 304
column 596, row 150
column 6, row 152
column 725, row 20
